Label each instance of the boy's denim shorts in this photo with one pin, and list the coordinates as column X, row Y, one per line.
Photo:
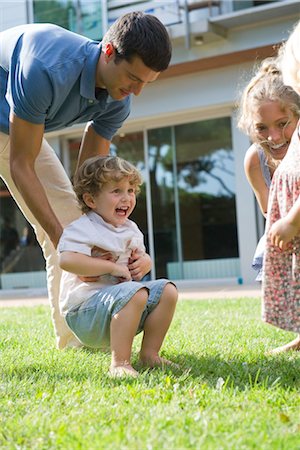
column 90, row 321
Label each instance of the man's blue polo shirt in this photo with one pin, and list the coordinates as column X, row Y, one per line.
column 47, row 75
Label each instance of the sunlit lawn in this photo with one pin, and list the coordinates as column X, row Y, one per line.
column 227, row 395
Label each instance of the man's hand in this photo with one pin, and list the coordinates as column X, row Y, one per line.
column 139, row 265
column 98, row 253
column 121, row 272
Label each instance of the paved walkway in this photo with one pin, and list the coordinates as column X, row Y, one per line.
column 33, row 297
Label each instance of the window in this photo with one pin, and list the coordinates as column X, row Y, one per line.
column 19, row 249
column 80, row 16
column 206, row 186
column 191, row 195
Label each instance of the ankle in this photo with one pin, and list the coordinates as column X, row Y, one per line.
column 122, row 370
column 148, row 354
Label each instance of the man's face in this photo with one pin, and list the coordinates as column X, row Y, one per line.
column 123, row 78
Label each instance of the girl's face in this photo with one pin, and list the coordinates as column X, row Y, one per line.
column 274, row 127
column 115, row 202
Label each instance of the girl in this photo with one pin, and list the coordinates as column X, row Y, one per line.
column 269, row 111
column 281, row 280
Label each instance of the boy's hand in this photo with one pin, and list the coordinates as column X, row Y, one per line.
column 139, row 265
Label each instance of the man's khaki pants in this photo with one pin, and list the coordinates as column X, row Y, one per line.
column 62, row 199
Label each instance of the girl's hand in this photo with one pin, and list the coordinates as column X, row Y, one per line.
column 282, row 232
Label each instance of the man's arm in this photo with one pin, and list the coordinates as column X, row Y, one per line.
column 92, row 144
column 25, row 141
column 88, row 266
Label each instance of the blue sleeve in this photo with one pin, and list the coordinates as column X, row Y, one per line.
column 30, row 90
column 108, row 124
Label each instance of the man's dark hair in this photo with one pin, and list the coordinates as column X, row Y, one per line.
column 142, row 35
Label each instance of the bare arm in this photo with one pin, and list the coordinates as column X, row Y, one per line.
column 26, row 139
column 92, row 145
column 256, row 180
column 88, row 266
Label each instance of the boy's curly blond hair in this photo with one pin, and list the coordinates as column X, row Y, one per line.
column 95, row 172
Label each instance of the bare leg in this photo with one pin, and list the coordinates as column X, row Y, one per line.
column 123, row 328
column 293, row 345
column 156, row 327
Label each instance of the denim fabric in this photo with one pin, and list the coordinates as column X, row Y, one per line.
column 90, row 321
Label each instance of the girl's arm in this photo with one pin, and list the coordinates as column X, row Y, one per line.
column 285, row 229
column 255, row 178
column 88, row 266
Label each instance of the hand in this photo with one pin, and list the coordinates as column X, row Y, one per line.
column 121, row 272
column 282, row 232
column 98, row 253
column 139, row 264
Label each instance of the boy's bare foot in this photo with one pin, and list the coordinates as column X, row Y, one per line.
column 125, row 370
column 293, row 345
column 157, row 361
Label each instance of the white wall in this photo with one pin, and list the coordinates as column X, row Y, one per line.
column 12, row 13
column 209, row 89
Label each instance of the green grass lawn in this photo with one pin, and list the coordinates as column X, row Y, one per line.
column 227, row 395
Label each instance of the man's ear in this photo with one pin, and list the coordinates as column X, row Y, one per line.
column 89, row 200
column 109, row 51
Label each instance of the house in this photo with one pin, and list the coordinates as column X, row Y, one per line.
column 196, row 209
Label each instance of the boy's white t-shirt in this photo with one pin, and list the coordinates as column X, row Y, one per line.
column 82, row 236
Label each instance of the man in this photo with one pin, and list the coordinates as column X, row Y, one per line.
column 51, row 78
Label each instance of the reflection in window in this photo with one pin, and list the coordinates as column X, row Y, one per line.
column 205, row 174
column 193, row 193
column 19, row 249
column 244, row 4
column 82, row 17
column 161, row 157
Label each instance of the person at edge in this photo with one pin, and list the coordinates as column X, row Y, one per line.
column 281, row 276
column 51, row 78
column 111, row 311
column 269, row 111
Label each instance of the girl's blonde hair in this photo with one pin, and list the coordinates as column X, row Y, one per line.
column 95, row 172
column 289, row 59
column 266, row 84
